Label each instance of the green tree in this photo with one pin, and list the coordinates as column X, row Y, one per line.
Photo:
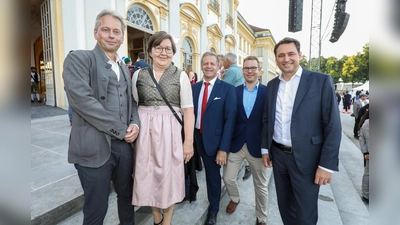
column 362, row 60
column 303, row 61
column 350, row 69
column 332, row 68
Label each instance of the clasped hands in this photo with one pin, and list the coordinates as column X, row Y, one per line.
column 131, row 133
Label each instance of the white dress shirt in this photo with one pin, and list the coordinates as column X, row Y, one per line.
column 200, row 100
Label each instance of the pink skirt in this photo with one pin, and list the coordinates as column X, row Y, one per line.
column 159, row 176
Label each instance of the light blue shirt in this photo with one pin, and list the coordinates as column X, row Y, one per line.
column 249, row 98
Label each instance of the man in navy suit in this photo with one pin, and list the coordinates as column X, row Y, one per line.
column 215, row 122
column 301, row 133
column 246, row 141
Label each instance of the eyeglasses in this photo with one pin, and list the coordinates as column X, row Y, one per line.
column 246, row 69
column 159, row 49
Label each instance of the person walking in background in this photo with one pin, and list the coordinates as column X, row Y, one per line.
column 35, row 79
column 364, row 146
column 346, row 102
column 215, row 115
column 190, row 73
column 105, row 121
column 301, row 134
column 160, row 155
column 128, row 63
column 233, row 75
column 338, row 97
column 221, row 70
column 140, row 63
column 246, row 141
column 358, row 104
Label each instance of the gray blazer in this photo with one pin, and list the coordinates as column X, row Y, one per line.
column 93, row 126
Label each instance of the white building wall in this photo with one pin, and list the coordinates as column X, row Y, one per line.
column 174, row 28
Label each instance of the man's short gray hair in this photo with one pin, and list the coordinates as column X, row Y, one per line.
column 231, row 57
column 112, row 13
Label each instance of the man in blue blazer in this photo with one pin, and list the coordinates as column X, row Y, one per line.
column 246, row 141
column 301, row 132
column 214, row 123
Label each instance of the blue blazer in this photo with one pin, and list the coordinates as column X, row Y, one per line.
column 315, row 129
column 248, row 130
column 219, row 117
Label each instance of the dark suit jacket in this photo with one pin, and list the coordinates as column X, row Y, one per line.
column 315, row 124
column 248, row 130
column 219, row 117
column 93, row 126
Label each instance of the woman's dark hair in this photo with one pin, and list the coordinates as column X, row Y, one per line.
column 158, row 37
column 363, row 118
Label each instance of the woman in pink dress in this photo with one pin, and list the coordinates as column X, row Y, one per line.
column 159, row 152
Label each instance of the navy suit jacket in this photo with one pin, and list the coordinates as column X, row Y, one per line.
column 248, row 130
column 219, row 116
column 315, row 124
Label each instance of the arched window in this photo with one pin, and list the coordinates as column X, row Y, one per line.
column 140, row 18
column 187, row 53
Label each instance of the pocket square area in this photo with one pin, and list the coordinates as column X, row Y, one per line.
column 217, row 98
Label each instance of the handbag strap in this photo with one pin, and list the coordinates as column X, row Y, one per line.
column 163, row 96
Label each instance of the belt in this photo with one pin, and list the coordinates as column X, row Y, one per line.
column 284, row 148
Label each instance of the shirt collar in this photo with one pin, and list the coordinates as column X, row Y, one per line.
column 110, row 61
column 212, row 82
column 255, row 87
column 298, row 74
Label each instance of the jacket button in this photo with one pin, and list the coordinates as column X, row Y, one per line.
column 102, row 97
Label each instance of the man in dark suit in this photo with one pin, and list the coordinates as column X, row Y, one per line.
column 215, row 121
column 140, row 63
column 246, row 141
column 105, row 123
column 301, row 133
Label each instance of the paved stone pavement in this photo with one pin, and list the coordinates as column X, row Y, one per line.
column 56, row 191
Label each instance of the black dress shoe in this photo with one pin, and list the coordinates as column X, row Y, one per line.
column 211, row 219
column 247, row 173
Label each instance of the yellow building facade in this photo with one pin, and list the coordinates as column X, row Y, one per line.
column 59, row 26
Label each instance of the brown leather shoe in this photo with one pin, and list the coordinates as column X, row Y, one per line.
column 261, row 223
column 231, row 207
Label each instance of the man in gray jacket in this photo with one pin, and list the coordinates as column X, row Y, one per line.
column 106, row 121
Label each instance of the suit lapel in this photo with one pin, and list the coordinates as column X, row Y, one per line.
column 258, row 101
column 305, row 82
column 215, row 90
column 196, row 93
column 240, row 100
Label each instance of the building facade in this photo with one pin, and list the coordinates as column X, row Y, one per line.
column 59, row 26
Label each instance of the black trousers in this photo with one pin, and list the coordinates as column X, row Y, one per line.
column 96, row 185
column 296, row 192
column 356, row 122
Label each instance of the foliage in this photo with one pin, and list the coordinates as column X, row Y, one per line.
column 353, row 68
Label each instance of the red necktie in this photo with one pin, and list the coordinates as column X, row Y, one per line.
column 203, row 105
